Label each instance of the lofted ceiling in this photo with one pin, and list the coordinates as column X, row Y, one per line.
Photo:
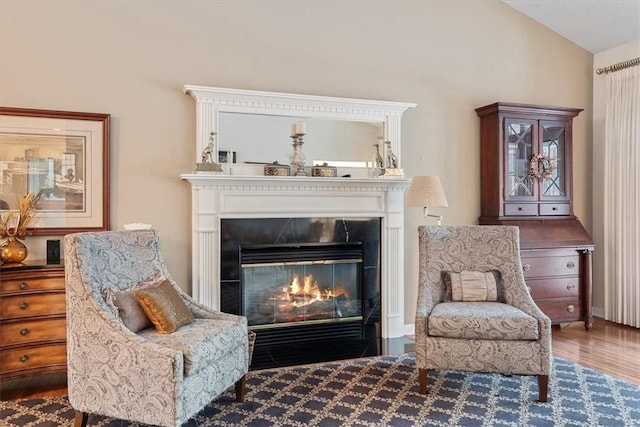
column 594, row 25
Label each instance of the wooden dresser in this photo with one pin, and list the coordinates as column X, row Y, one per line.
column 526, row 181
column 32, row 320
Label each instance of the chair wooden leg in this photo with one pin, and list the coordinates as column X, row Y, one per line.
column 422, row 373
column 543, row 386
column 240, row 388
column 80, row 419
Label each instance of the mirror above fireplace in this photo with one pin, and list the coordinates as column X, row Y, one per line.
column 256, row 125
column 259, row 138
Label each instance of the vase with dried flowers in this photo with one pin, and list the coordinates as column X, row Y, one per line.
column 14, row 227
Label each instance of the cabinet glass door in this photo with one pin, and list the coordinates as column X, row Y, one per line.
column 519, row 139
column 553, row 148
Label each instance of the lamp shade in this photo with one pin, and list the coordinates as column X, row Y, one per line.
column 426, row 191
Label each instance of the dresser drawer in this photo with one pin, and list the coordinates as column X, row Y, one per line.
column 549, row 266
column 27, row 283
column 562, row 310
column 32, row 305
column 27, row 358
column 521, row 209
column 560, row 287
column 547, row 209
column 28, row 331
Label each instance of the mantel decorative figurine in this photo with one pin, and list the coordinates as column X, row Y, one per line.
column 391, row 162
column 207, row 164
column 378, row 161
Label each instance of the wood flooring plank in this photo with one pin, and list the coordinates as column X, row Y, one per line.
column 609, row 348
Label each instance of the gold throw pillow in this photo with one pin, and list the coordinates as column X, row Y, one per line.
column 164, row 307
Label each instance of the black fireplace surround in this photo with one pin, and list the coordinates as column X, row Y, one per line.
column 346, row 325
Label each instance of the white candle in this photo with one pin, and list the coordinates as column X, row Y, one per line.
column 301, row 128
column 293, row 129
column 384, row 155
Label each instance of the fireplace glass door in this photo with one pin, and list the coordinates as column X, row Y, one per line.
column 321, row 286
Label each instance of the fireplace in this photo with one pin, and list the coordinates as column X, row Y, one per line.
column 325, row 210
column 341, row 202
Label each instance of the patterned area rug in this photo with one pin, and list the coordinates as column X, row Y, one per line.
column 383, row 391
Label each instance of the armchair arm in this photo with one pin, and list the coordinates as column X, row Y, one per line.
column 517, row 294
column 424, row 306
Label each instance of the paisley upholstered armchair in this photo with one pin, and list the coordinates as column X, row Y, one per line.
column 122, row 366
column 474, row 310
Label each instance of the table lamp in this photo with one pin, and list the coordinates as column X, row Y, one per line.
column 426, row 192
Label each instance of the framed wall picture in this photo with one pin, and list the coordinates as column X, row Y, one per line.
column 65, row 157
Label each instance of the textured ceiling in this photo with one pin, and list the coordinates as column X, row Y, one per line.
column 594, row 25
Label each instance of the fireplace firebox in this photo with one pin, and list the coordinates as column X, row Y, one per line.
column 292, row 285
column 309, row 287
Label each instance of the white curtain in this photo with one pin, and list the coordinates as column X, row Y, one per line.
column 622, row 198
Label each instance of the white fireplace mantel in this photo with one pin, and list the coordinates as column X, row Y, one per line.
column 216, row 197
column 221, row 196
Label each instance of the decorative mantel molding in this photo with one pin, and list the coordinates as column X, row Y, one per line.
column 248, row 101
column 259, row 183
column 218, row 196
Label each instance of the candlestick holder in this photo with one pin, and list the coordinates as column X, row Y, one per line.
column 298, row 158
column 294, row 147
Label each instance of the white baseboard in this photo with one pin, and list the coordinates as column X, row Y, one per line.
column 597, row 312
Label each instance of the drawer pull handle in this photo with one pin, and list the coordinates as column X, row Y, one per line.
column 527, row 267
column 23, row 286
column 554, row 208
column 24, row 358
column 571, row 308
column 571, row 287
column 519, row 208
column 24, row 331
column 570, row 264
column 24, row 306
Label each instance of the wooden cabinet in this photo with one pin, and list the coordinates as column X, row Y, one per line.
column 32, row 320
column 526, row 181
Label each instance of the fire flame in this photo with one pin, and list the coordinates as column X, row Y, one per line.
column 305, row 291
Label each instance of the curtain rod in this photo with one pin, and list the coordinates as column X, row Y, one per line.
column 619, row 66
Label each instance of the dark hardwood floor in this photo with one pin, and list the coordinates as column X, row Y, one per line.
column 609, row 348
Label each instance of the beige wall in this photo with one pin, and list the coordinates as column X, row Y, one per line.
column 131, row 59
column 600, row 60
